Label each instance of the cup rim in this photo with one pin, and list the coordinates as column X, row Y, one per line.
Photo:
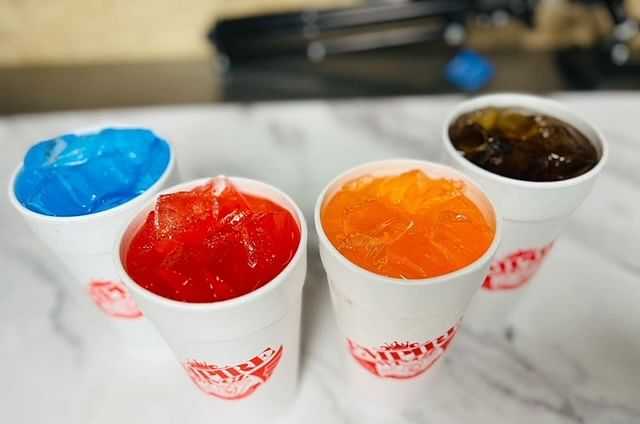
column 252, row 296
column 524, row 101
column 105, row 213
column 421, row 282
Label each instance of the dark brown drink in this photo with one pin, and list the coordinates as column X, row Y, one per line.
column 521, row 144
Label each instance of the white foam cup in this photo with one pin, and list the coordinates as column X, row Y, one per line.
column 394, row 331
column 242, row 353
column 84, row 244
column 534, row 213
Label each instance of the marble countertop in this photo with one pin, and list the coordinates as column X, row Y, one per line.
column 575, row 352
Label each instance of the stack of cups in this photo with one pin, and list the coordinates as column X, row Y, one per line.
column 84, row 244
column 534, row 212
column 394, row 331
column 242, row 353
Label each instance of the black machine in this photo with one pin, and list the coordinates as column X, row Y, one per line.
column 393, row 48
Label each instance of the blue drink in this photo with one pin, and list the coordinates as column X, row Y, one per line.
column 75, row 175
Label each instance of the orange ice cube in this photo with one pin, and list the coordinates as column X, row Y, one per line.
column 406, row 226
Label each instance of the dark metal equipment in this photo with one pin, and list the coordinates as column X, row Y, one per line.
column 318, row 52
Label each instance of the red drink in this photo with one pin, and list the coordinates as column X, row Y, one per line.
column 211, row 243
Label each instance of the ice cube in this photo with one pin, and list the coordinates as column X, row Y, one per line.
column 399, row 225
column 177, row 212
column 76, row 189
column 235, row 203
column 212, row 236
column 82, row 174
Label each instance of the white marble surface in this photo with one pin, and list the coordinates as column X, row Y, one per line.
column 575, row 357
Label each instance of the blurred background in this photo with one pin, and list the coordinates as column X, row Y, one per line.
column 78, row 54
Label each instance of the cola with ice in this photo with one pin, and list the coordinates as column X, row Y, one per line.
column 522, row 144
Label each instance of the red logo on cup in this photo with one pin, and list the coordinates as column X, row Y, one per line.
column 113, row 299
column 516, row 269
column 401, row 360
column 231, row 382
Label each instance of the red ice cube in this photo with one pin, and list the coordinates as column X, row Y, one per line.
column 212, row 243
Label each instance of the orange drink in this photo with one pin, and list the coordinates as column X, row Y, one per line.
column 407, row 226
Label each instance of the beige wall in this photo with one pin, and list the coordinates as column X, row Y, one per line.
column 45, row 32
column 34, row 32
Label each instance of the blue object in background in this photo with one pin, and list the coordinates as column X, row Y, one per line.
column 74, row 175
column 469, row 71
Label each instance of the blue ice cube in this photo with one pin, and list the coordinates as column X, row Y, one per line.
column 75, row 175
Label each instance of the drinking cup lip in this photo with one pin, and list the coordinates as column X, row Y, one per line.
column 255, row 295
column 529, row 102
column 129, row 204
column 407, row 164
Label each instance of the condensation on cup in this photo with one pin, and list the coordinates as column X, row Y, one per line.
column 534, row 213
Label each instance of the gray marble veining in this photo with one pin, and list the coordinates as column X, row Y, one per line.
column 574, row 354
